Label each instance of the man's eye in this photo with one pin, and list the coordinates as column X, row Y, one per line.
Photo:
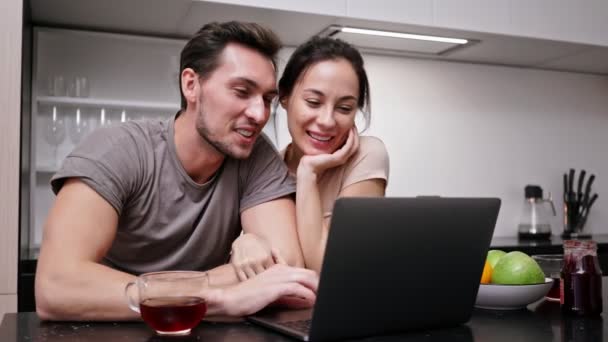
column 241, row 92
column 268, row 100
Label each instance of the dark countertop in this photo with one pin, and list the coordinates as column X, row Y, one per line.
column 552, row 246
column 541, row 321
column 556, row 242
column 27, row 267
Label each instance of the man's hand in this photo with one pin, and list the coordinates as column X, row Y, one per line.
column 252, row 255
column 316, row 164
column 294, row 287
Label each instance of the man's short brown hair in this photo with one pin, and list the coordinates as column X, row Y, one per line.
column 202, row 52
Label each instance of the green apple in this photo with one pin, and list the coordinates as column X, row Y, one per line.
column 494, row 255
column 517, row 268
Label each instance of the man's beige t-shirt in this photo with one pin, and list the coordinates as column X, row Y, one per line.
column 166, row 220
column 371, row 161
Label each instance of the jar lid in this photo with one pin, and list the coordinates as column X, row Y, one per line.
column 582, row 244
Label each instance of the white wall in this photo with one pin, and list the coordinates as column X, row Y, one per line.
column 456, row 129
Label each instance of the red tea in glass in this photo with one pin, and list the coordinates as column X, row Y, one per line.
column 171, row 302
column 173, row 314
column 553, row 294
column 551, row 264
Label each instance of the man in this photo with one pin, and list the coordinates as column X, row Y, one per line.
column 150, row 196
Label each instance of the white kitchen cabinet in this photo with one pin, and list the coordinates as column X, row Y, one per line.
column 10, row 116
column 473, row 15
column 417, row 12
column 559, row 20
column 127, row 77
column 8, row 304
column 562, row 20
column 325, row 7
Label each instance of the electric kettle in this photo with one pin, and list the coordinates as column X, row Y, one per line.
column 534, row 223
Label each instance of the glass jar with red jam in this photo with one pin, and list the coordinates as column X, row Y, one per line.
column 581, row 279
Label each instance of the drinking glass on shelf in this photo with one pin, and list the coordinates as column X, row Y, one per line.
column 124, row 117
column 54, row 131
column 105, row 118
column 78, row 87
column 56, row 85
column 78, row 126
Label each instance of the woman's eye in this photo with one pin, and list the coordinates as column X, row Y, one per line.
column 345, row 109
column 313, row 103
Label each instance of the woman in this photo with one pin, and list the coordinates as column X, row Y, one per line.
column 323, row 86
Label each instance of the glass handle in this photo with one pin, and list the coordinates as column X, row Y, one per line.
column 133, row 304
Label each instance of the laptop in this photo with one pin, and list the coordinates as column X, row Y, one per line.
column 393, row 265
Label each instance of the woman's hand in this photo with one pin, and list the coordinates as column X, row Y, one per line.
column 319, row 163
column 251, row 255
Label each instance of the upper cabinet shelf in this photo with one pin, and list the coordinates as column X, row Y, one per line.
column 107, row 103
column 568, row 36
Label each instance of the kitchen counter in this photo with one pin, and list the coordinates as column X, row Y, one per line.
column 552, row 246
column 27, row 268
column 541, row 321
column 555, row 243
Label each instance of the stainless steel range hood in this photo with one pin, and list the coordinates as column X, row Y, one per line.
column 392, row 42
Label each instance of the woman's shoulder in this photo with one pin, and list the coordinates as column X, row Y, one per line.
column 369, row 162
column 372, row 155
column 371, row 144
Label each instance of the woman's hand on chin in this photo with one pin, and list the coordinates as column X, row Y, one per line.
column 315, row 164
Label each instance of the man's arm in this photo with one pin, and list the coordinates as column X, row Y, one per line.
column 71, row 284
column 275, row 222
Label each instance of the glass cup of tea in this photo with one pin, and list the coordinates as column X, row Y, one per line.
column 172, row 302
column 551, row 264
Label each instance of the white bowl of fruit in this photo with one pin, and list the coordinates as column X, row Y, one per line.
column 511, row 281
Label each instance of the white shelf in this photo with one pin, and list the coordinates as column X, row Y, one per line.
column 106, row 103
column 46, row 168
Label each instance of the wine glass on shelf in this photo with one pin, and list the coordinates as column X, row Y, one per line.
column 105, row 118
column 54, row 132
column 78, row 125
column 124, row 117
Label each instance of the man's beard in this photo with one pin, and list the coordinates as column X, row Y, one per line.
column 227, row 149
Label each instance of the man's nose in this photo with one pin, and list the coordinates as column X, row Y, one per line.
column 257, row 110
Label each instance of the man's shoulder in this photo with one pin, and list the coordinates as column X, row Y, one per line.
column 131, row 134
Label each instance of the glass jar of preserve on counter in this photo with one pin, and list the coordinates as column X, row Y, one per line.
column 581, row 279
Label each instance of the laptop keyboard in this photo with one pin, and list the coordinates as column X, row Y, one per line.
column 301, row 326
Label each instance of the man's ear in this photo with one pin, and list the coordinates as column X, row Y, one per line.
column 190, row 85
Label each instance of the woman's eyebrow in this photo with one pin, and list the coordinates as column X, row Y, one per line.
column 320, row 93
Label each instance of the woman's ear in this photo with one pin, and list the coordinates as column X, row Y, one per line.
column 283, row 101
column 190, row 85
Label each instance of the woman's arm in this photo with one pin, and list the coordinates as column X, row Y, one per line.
column 315, row 228
column 366, row 176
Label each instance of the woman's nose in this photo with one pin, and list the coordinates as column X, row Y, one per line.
column 326, row 118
